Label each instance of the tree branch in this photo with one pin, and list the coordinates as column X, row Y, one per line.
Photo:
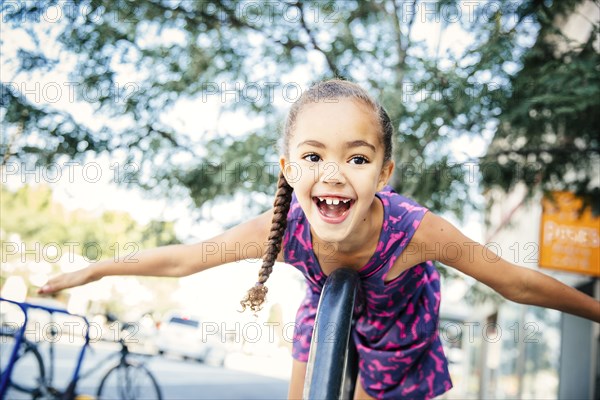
column 7, row 154
column 398, row 31
column 314, row 43
column 403, row 45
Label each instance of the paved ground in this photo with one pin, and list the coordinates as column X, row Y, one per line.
column 179, row 380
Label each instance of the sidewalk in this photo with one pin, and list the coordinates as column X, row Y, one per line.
column 277, row 364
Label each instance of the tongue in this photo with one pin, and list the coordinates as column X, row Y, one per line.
column 333, row 211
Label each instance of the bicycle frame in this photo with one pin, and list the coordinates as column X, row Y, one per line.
column 25, row 307
column 89, row 371
column 331, row 370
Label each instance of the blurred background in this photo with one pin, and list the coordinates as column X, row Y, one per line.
column 128, row 125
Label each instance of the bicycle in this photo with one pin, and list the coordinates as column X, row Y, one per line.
column 127, row 379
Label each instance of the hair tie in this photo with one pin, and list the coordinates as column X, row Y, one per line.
column 259, row 284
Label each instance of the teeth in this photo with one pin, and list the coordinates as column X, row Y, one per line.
column 334, row 202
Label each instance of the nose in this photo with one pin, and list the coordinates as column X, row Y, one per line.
column 332, row 173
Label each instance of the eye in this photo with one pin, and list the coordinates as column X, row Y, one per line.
column 312, row 157
column 359, row 160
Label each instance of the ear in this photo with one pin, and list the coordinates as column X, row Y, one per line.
column 386, row 173
column 287, row 170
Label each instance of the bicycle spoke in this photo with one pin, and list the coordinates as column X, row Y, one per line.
column 128, row 382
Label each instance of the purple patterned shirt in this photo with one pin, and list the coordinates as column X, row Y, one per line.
column 395, row 331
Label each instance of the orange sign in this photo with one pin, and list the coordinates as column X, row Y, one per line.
column 569, row 241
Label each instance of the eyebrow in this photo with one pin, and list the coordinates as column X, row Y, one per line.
column 351, row 144
column 360, row 143
column 313, row 143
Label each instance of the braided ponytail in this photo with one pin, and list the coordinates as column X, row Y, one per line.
column 256, row 294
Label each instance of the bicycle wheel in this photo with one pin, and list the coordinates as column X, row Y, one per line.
column 28, row 373
column 129, row 381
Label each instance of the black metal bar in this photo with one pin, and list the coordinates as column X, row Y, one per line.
column 331, row 368
column 351, row 373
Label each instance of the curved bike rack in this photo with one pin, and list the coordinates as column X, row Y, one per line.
column 332, row 363
column 20, row 334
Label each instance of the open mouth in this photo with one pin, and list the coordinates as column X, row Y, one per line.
column 333, row 209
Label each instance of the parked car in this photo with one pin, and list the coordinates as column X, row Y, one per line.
column 182, row 335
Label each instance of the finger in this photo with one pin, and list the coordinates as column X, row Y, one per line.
column 45, row 289
column 50, row 287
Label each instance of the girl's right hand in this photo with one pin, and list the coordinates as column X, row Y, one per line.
column 65, row 281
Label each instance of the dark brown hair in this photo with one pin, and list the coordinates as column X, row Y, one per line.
column 326, row 91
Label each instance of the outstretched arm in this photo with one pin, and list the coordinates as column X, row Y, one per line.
column 518, row 284
column 240, row 242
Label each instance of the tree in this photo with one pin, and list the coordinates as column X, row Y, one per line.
column 39, row 237
column 143, row 60
column 547, row 133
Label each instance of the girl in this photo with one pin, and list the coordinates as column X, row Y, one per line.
column 333, row 199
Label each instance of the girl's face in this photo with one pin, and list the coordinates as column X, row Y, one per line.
column 335, row 165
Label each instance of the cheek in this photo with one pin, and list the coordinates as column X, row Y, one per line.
column 307, row 174
column 369, row 184
column 295, row 174
column 369, row 177
column 302, row 182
